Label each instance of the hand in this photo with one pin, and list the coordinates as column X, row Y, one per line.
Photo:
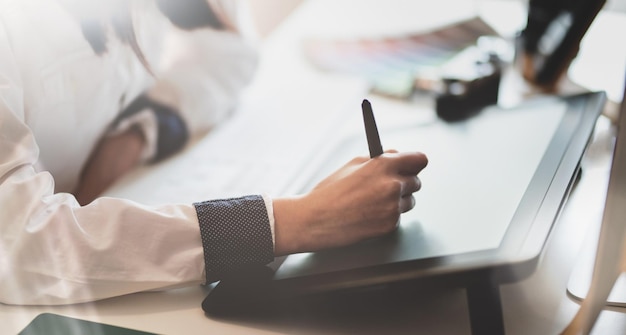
column 361, row 200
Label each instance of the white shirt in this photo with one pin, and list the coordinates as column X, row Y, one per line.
column 57, row 98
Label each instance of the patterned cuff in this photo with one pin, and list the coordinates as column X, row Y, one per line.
column 163, row 128
column 235, row 233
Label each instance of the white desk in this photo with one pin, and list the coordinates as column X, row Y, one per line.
column 536, row 305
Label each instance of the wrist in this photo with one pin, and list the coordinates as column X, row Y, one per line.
column 291, row 217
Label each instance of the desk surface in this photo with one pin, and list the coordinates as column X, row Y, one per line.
column 536, row 305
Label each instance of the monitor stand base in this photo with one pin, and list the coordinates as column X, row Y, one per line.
column 580, row 278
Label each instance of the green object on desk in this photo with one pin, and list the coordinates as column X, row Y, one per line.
column 54, row 324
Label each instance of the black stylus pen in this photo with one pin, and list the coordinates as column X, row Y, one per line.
column 371, row 131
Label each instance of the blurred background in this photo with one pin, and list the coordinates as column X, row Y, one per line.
column 268, row 13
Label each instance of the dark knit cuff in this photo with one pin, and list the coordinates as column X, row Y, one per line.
column 235, row 233
column 171, row 131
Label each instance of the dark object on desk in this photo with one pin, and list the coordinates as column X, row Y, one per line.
column 243, row 293
column 371, row 130
column 552, row 36
column 461, row 98
column 54, row 324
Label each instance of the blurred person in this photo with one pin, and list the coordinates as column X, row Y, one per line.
column 89, row 90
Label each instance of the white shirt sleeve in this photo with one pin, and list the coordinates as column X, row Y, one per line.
column 52, row 251
column 202, row 72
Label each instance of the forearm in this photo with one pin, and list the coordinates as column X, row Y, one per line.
column 145, row 132
column 114, row 157
column 53, row 251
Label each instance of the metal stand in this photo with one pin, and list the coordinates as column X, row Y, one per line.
column 485, row 308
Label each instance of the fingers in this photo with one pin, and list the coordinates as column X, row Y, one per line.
column 407, row 203
column 411, row 163
column 408, row 166
column 406, row 163
column 410, row 185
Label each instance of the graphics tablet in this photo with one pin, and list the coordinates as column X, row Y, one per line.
column 55, row 324
column 491, row 193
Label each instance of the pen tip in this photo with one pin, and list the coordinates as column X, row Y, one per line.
column 365, row 102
